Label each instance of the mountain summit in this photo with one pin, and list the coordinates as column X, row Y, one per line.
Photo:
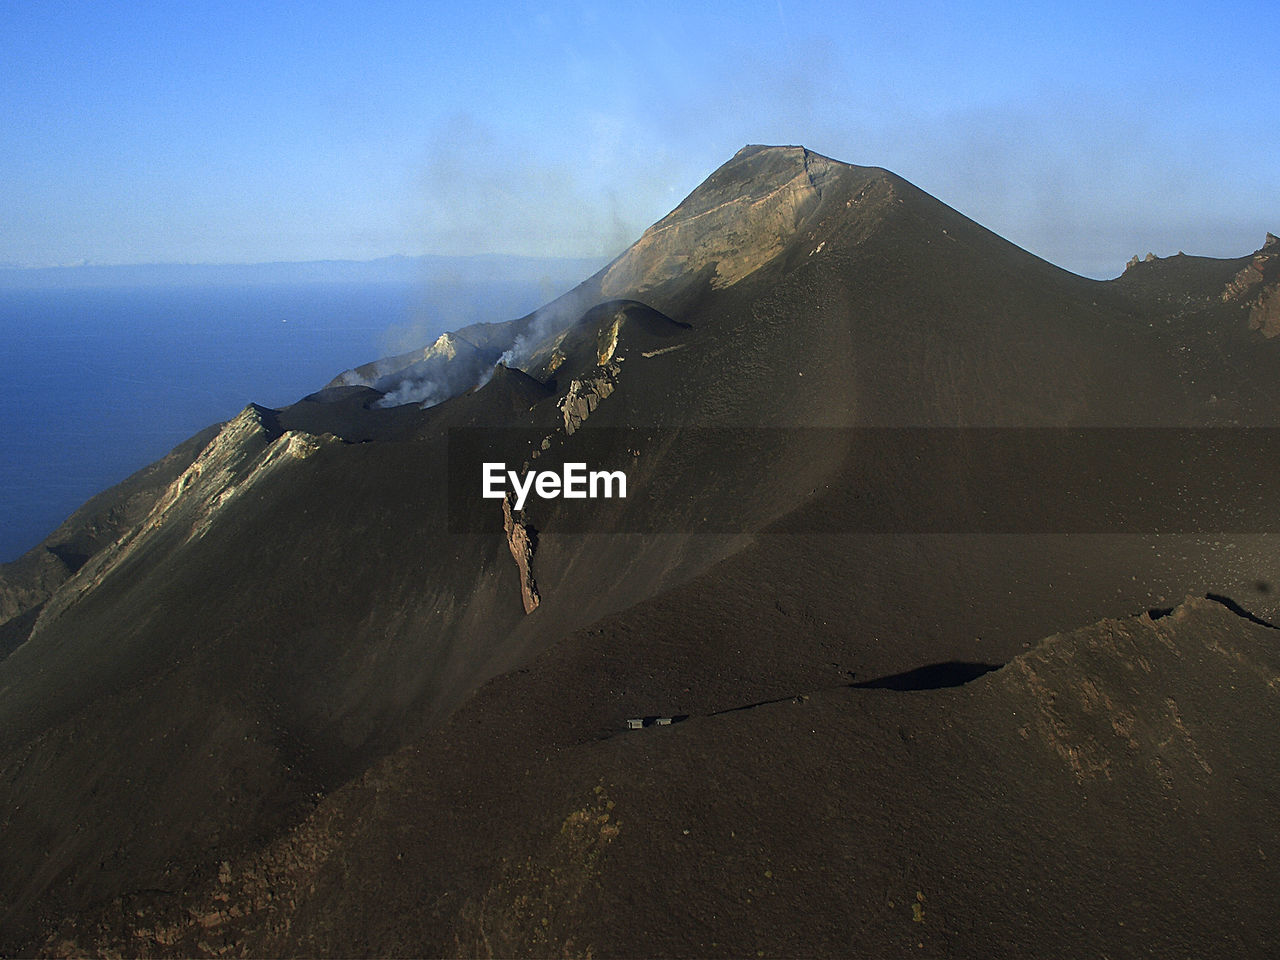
column 742, row 217
column 844, row 671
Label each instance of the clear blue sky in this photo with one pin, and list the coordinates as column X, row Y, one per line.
column 241, row 132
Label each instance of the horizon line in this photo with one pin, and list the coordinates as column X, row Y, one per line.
column 95, row 265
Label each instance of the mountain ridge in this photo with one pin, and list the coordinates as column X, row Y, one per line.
column 298, row 612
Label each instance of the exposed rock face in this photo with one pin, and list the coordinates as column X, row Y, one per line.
column 601, row 338
column 1090, row 695
column 736, row 231
column 584, row 396
column 1246, row 281
column 1265, row 313
column 608, row 343
column 247, row 450
column 1134, row 261
column 248, row 447
column 523, row 541
column 30, row 580
column 1258, row 286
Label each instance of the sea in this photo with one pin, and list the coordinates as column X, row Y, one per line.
column 98, row 381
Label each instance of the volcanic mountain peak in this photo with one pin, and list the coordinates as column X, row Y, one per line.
column 287, row 616
column 752, row 174
column 736, row 221
column 759, row 206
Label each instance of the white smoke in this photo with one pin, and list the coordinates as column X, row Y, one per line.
column 434, row 379
column 549, row 322
column 425, row 393
column 487, row 375
column 350, row 378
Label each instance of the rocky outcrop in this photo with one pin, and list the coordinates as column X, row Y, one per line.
column 30, row 580
column 1264, row 315
column 1257, row 286
column 1134, row 261
column 522, row 540
column 1121, row 697
column 246, row 450
column 584, row 396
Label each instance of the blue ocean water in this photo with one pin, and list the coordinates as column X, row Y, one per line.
column 96, row 383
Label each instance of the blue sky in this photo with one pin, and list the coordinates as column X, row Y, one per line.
column 242, row 132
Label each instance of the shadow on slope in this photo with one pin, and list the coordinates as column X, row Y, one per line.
column 935, row 676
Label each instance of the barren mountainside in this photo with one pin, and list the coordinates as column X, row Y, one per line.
column 298, row 690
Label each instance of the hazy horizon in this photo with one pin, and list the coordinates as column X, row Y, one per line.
column 230, row 133
column 15, row 267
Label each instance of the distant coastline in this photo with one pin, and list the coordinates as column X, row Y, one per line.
column 425, row 269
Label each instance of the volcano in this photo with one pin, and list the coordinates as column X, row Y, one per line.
column 943, row 594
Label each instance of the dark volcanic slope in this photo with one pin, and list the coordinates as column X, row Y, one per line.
column 1091, row 798
column 303, row 608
